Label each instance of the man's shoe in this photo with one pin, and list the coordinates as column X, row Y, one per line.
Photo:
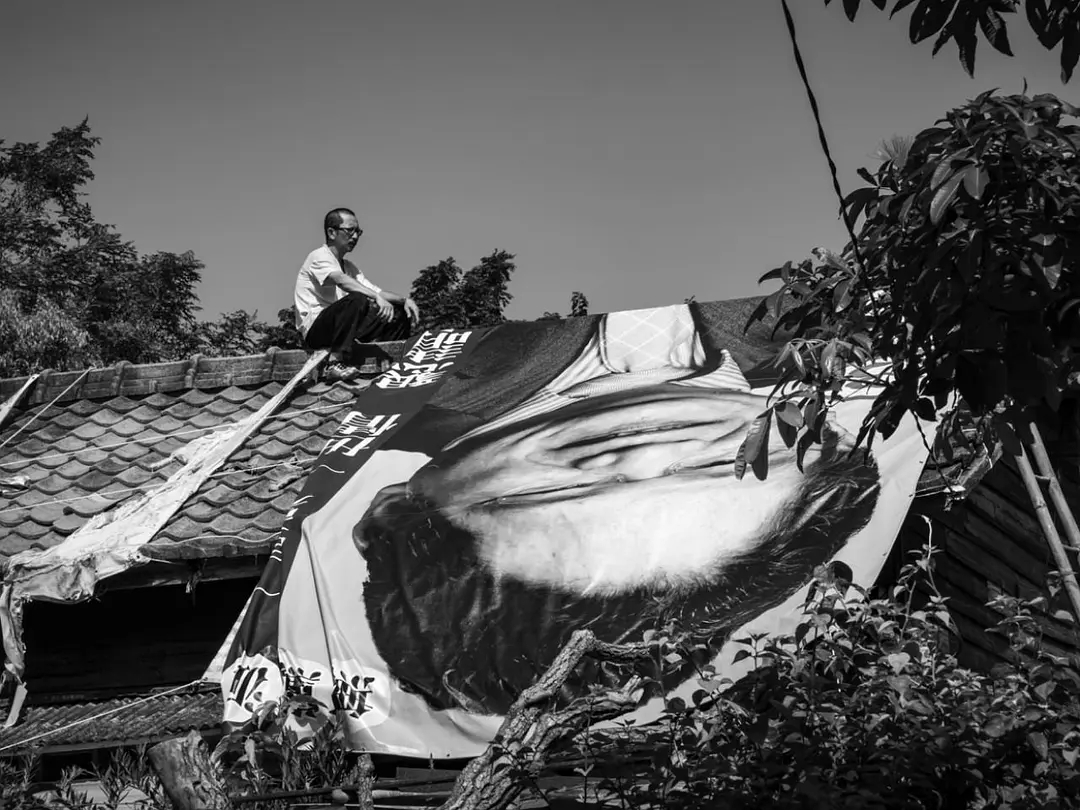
column 339, row 372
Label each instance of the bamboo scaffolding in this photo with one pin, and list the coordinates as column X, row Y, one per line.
column 1057, row 495
column 1050, row 531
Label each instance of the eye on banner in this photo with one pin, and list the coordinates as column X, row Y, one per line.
column 503, row 487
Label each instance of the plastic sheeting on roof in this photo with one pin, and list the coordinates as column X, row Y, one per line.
column 501, row 488
column 111, row 543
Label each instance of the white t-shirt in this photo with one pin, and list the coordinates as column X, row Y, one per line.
column 315, row 292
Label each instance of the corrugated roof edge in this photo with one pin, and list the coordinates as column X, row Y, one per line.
column 198, row 371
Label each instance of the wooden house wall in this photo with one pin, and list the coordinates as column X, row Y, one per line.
column 989, row 543
column 128, row 641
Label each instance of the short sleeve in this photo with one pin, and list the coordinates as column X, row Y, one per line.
column 354, row 271
column 321, row 268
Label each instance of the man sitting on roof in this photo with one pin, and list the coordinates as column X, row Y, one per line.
column 337, row 307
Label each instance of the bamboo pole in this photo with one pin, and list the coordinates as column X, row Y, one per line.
column 1046, row 522
column 1057, row 495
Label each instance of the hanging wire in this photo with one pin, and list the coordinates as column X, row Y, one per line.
column 30, row 421
column 821, row 130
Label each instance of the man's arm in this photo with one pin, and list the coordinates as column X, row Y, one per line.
column 411, row 309
column 383, row 299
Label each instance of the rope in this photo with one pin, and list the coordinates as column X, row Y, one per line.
column 161, row 436
column 30, row 421
column 98, row 716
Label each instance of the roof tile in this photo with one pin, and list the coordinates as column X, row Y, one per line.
column 94, row 481
column 135, row 476
column 127, row 427
column 53, row 484
column 83, row 407
column 183, row 411
column 67, row 420
column 86, row 454
column 88, row 431
column 130, row 451
column 45, row 513
column 105, row 417
column 122, row 405
column 91, row 505
column 205, row 419
column 67, row 524
column 120, row 720
column 234, row 394
column 197, row 397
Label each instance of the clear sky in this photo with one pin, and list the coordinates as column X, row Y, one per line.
column 638, row 151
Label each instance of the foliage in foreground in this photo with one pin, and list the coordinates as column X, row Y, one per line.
column 963, row 276
column 864, row 706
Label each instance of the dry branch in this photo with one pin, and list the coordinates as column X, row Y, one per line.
column 187, row 775
column 533, row 731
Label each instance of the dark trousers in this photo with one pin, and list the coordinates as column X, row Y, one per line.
column 351, row 320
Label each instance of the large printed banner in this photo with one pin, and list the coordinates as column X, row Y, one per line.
column 501, row 488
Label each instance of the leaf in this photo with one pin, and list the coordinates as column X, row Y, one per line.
column 898, row 661
column 842, row 295
column 1043, row 23
column 1009, row 440
column 754, row 445
column 1037, row 741
column 900, row 6
column 851, row 8
column 940, row 203
column 925, row 410
column 995, row 726
column 789, row 413
column 1070, row 51
column 993, row 28
column 928, row 18
column 975, row 178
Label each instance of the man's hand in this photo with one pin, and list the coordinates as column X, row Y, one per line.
column 413, row 311
column 386, row 309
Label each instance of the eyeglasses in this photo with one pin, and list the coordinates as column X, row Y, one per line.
column 350, row 231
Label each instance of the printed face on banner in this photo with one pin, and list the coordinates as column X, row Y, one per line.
column 564, row 476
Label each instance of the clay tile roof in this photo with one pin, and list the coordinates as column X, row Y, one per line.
column 90, row 723
column 78, row 444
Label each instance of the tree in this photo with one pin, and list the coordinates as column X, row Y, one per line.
column 450, row 299
column 963, row 277
column 1053, row 21
column 76, row 293
column 283, row 335
column 579, row 305
column 234, row 333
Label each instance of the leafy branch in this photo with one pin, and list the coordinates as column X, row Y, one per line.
column 965, row 305
column 1054, row 22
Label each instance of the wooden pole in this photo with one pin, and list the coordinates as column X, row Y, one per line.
column 187, row 775
column 1057, row 495
column 1046, row 522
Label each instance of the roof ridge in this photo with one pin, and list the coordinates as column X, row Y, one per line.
column 195, row 372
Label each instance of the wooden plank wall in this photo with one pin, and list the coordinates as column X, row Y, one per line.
column 989, row 543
